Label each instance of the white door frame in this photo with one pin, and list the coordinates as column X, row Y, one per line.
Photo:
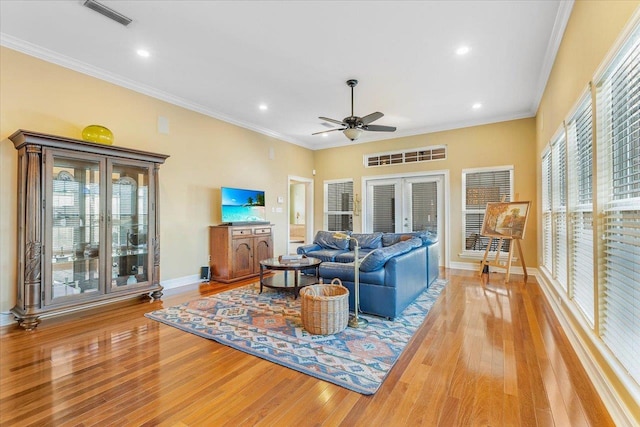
column 308, row 195
column 444, row 220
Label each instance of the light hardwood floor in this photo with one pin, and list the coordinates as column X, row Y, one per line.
column 488, row 354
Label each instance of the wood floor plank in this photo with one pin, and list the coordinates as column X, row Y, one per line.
column 489, row 353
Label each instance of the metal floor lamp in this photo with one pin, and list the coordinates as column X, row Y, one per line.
column 355, row 321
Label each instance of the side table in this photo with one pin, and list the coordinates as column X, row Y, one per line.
column 282, row 281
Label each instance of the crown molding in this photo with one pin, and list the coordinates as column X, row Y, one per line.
column 84, row 68
column 557, row 33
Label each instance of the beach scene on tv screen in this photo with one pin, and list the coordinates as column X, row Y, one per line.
column 242, row 205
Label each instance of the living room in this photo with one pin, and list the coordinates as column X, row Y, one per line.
column 207, row 153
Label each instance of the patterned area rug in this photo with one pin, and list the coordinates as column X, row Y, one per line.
column 268, row 325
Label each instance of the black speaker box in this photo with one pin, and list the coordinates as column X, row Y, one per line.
column 205, row 273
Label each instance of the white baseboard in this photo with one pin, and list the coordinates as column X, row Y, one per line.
column 180, row 281
column 172, row 285
column 475, row 266
column 562, row 309
column 6, row 319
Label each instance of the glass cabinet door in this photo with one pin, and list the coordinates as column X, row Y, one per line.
column 130, row 261
column 75, row 232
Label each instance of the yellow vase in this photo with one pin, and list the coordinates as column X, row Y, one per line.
column 97, row 133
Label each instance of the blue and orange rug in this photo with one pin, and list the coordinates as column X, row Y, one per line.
column 268, row 325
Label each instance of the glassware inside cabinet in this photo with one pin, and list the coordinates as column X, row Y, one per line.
column 75, row 231
column 129, row 225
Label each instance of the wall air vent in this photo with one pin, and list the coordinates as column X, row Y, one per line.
column 426, row 154
column 108, row 12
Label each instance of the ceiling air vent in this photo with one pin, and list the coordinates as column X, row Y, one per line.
column 108, row 12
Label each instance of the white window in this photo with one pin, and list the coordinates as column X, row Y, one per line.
column 547, row 213
column 618, row 195
column 479, row 187
column 554, row 210
column 338, row 205
column 580, row 192
column 425, row 154
column 559, row 209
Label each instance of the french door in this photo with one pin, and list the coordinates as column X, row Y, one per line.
column 406, row 204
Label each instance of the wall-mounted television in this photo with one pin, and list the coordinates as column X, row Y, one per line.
column 241, row 206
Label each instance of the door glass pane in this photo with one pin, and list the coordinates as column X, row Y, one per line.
column 384, row 204
column 424, row 206
column 75, row 238
column 130, row 225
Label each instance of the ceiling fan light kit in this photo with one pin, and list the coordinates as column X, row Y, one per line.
column 352, row 133
column 353, row 126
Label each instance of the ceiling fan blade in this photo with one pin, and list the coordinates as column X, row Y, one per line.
column 371, row 117
column 327, row 119
column 330, row 130
column 379, row 128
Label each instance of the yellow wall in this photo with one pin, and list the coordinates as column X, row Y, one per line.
column 591, row 35
column 205, row 154
column 591, row 31
column 498, row 144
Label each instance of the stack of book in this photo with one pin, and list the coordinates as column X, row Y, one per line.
column 291, row 259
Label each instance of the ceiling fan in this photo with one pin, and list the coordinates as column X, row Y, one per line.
column 354, row 125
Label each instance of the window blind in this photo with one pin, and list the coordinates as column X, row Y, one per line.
column 547, row 222
column 618, row 118
column 339, row 206
column 384, row 202
column 559, row 208
column 580, row 149
column 424, row 206
column 480, row 188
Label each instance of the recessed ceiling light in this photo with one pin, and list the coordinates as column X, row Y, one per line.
column 463, row 50
column 143, row 52
column 325, row 135
column 263, row 107
column 476, row 106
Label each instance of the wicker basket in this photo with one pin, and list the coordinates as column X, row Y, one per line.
column 325, row 308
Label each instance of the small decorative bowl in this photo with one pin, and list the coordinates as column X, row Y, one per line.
column 97, row 133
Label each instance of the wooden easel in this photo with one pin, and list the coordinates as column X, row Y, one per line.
column 496, row 261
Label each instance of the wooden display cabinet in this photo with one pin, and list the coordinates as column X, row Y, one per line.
column 88, row 221
column 236, row 251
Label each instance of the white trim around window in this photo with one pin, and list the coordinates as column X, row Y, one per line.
column 479, row 187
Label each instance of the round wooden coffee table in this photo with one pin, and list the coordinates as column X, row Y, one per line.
column 282, row 281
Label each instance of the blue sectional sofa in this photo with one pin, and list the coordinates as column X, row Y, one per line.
column 395, row 268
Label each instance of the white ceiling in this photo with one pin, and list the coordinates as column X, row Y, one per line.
column 224, row 58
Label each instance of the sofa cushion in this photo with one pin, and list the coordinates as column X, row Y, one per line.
column 305, row 249
column 326, row 254
column 366, row 240
column 327, row 241
column 377, row 258
column 351, row 255
column 346, row 273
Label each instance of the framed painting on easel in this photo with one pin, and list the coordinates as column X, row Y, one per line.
column 507, row 220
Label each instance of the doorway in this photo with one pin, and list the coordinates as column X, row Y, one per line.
column 300, row 213
column 402, row 204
